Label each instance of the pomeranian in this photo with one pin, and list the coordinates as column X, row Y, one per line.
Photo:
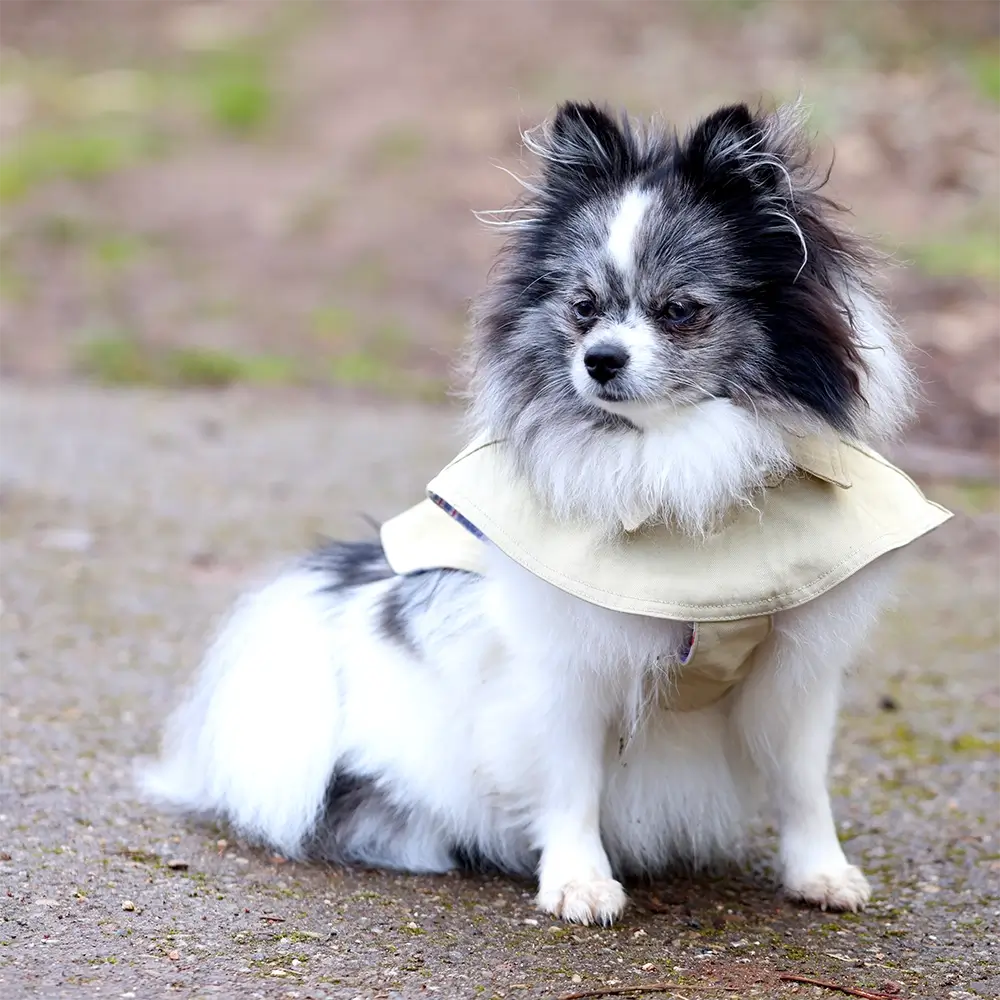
column 672, row 318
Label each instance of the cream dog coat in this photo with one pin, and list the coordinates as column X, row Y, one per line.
column 842, row 508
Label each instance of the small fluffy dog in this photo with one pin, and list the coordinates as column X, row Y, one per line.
column 666, row 310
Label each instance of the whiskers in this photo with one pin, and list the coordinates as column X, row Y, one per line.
column 516, row 217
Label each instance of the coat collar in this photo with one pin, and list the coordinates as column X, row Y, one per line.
column 819, row 455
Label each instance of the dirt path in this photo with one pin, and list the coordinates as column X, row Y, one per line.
column 129, row 520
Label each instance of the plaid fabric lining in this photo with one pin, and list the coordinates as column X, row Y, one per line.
column 452, row 513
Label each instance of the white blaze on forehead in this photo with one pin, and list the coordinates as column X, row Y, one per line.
column 624, row 226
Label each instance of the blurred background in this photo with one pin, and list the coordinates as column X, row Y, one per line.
column 280, row 192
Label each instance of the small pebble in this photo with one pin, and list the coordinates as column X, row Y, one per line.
column 174, row 956
column 67, row 540
column 210, row 430
column 531, row 923
column 177, row 864
column 128, row 905
column 576, row 978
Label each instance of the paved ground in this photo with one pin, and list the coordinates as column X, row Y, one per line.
column 129, row 520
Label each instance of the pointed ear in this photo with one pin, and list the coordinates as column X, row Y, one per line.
column 723, row 127
column 734, row 153
column 584, row 142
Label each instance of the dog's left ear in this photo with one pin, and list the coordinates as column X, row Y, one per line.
column 734, row 153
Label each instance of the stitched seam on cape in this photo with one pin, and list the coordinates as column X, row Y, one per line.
column 886, row 464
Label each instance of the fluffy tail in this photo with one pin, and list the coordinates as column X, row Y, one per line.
column 256, row 740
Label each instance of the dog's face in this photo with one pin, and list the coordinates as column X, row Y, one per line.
column 649, row 273
column 648, row 302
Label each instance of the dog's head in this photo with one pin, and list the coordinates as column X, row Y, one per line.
column 648, row 272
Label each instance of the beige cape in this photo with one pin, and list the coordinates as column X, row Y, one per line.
column 841, row 509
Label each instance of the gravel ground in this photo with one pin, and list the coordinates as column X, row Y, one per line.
column 131, row 519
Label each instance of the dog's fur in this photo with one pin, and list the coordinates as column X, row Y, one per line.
column 441, row 719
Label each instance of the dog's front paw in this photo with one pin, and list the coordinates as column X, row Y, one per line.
column 844, row 888
column 592, row 901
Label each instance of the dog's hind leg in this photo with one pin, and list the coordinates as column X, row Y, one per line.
column 256, row 742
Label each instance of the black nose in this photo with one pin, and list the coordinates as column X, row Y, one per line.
column 604, row 363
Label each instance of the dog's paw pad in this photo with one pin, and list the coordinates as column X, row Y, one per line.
column 596, row 901
column 844, row 889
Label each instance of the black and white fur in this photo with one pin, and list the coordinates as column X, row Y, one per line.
column 665, row 308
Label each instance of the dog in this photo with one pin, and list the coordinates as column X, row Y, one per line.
column 667, row 311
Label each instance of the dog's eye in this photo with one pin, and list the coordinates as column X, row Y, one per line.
column 585, row 309
column 678, row 312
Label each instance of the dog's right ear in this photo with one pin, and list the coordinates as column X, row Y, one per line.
column 583, row 143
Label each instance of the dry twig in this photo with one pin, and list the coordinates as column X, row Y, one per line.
column 788, row 977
